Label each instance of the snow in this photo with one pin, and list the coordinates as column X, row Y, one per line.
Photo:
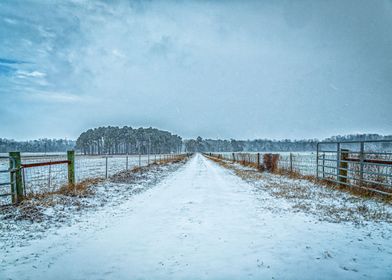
column 35, row 218
column 203, row 222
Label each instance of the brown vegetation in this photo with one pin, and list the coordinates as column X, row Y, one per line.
column 309, row 195
column 271, row 161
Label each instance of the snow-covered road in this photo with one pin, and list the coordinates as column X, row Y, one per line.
column 203, row 222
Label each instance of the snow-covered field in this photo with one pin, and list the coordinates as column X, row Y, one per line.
column 204, row 222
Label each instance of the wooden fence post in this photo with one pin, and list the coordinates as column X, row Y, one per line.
column 361, row 163
column 126, row 163
column 106, row 167
column 258, row 160
column 17, row 187
column 291, row 162
column 71, row 167
column 343, row 166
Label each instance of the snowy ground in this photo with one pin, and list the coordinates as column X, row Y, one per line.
column 204, row 222
column 39, row 217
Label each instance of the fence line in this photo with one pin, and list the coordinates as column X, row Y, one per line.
column 42, row 174
column 303, row 163
column 364, row 164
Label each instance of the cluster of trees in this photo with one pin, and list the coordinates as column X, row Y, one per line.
column 264, row 145
column 126, row 140
column 359, row 137
column 36, row 146
column 259, row 145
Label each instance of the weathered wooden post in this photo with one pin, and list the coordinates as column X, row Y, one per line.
column 258, row 160
column 71, row 167
column 343, row 166
column 317, row 160
column 106, row 167
column 361, row 163
column 17, row 187
column 291, row 162
column 126, row 163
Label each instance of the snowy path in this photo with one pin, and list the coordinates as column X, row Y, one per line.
column 202, row 222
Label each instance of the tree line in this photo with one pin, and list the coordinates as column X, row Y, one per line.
column 126, row 140
column 36, row 146
column 267, row 145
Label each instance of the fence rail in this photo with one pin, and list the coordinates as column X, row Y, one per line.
column 42, row 174
column 364, row 164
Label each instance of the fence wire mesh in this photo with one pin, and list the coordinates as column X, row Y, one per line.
column 365, row 163
column 304, row 163
column 44, row 174
column 5, row 181
column 43, row 179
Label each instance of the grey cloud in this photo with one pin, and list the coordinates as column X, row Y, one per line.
column 242, row 69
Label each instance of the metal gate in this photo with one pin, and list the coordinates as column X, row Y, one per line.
column 364, row 164
column 7, row 181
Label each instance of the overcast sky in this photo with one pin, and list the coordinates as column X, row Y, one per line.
column 227, row 69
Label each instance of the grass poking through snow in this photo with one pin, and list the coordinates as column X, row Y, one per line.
column 305, row 194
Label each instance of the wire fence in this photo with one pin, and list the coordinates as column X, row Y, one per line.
column 364, row 164
column 304, row 163
column 367, row 164
column 47, row 173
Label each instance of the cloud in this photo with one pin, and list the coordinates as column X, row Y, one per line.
column 34, row 74
column 52, row 97
column 210, row 68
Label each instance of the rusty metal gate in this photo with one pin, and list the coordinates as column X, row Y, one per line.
column 7, row 181
column 364, row 164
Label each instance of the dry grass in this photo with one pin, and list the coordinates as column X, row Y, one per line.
column 357, row 191
column 81, row 189
column 175, row 159
column 309, row 195
column 138, row 173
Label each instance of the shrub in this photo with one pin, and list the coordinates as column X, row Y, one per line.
column 270, row 162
